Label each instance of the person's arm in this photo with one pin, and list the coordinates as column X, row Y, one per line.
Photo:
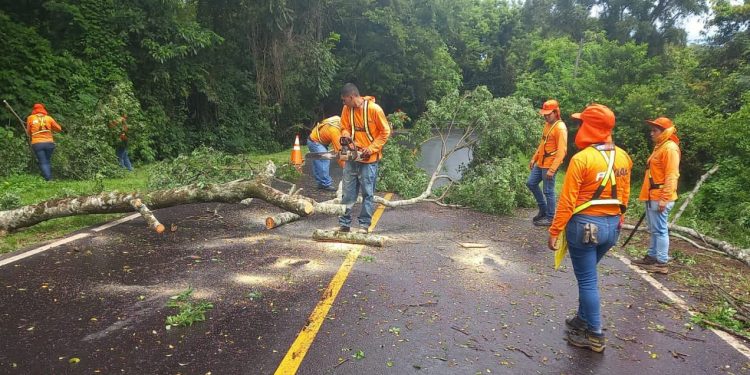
column 54, row 126
column 384, row 130
column 671, row 175
column 346, row 126
column 625, row 183
column 561, row 135
column 568, row 197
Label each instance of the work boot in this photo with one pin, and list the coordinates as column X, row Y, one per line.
column 657, row 267
column 646, row 260
column 541, row 214
column 587, row 339
column 326, row 188
column 543, row 222
column 576, row 324
column 344, row 229
column 363, row 230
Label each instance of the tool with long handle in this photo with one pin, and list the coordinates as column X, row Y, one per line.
column 23, row 124
column 635, row 228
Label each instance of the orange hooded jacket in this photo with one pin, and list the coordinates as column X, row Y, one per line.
column 554, row 144
column 39, row 126
column 373, row 136
column 328, row 132
column 664, row 167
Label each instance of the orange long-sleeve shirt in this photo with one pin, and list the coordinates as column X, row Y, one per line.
column 326, row 134
column 378, row 128
column 40, row 127
column 554, row 138
column 583, row 177
column 664, row 166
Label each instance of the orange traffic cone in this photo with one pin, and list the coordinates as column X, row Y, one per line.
column 296, row 153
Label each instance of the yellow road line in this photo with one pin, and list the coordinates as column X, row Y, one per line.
column 305, row 338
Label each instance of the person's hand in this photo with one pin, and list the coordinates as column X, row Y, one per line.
column 552, row 242
column 550, row 174
column 365, row 153
column 531, row 165
column 346, row 142
column 662, row 206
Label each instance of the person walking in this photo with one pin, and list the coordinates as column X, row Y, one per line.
column 659, row 191
column 364, row 128
column 546, row 160
column 39, row 127
column 121, row 148
column 594, row 196
column 325, row 133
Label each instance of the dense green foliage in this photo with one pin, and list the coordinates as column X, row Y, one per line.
column 244, row 77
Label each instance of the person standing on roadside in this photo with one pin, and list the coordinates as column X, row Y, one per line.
column 325, row 133
column 659, row 191
column 546, row 160
column 594, row 196
column 39, row 127
column 364, row 128
column 121, row 149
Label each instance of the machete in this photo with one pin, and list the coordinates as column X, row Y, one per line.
column 635, row 228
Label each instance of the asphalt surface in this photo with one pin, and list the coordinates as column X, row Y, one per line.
column 423, row 305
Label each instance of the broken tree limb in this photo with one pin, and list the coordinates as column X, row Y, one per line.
column 116, row 202
column 690, row 196
column 151, row 220
column 330, row 207
column 743, row 255
column 349, row 237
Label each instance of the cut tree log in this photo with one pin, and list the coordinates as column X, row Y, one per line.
column 115, row 202
column 349, row 237
column 151, row 220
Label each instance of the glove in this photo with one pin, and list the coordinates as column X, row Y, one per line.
column 345, row 141
column 365, row 153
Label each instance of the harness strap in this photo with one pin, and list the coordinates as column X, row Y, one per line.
column 608, row 176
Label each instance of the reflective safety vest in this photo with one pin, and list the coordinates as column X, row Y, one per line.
column 324, row 123
column 41, row 121
column 544, row 143
column 365, row 121
column 608, row 176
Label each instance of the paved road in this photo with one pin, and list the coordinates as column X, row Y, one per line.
column 422, row 305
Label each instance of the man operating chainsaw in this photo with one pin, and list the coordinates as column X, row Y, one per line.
column 364, row 132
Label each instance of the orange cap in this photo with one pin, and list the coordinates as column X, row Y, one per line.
column 598, row 122
column 661, row 122
column 549, row 106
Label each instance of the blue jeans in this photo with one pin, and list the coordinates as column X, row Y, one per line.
column 122, row 157
column 657, row 225
column 43, row 152
column 585, row 257
column 359, row 176
column 320, row 167
column 538, row 175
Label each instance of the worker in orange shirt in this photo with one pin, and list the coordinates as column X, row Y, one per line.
column 364, row 128
column 325, row 133
column 39, row 127
column 594, row 196
column 659, row 191
column 121, row 149
column 546, row 160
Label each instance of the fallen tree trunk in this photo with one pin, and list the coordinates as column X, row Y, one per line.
column 151, row 220
column 743, row 255
column 349, row 237
column 116, row 202
column 690, row 196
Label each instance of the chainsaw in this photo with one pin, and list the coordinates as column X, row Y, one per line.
column 348, row 153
